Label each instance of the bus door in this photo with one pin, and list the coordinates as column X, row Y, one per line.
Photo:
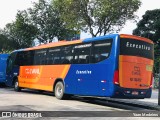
column 135, row 63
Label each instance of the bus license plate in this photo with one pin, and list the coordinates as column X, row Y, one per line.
column 134, row 93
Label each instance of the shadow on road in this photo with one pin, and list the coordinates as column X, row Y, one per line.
column 2, row 85
column 89, row 100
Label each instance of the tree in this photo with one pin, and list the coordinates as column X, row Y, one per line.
column 99, row 17
column 5, row 44
column 47, row 19
column 156, row 58
column 20, row 33
column 149, row 27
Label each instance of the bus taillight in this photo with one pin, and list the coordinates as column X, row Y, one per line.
column 116, row 77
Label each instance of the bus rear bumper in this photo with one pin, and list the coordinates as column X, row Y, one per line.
column 132, row 93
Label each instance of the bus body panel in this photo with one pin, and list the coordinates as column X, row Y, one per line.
column 81, row 79
column 136, row 71
column 3, row 62
column 41, row 77
column 91, row 79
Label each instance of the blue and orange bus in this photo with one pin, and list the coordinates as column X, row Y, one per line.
column 116, row 65
column 3, row 64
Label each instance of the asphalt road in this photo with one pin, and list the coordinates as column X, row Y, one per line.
column 29, row 100
column 154, row 94
column 33, row 100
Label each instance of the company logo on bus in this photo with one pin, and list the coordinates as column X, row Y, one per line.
column 138, row 46
column 83, row 72
column 133, row 47
column 32, row 71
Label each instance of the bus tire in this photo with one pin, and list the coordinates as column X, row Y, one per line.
column 16, row 86
column 59, row 90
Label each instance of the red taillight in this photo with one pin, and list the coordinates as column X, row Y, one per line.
column 116, row 77
column 151, row 80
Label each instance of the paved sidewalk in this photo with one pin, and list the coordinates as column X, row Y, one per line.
column 153, row 99
column 151, row 103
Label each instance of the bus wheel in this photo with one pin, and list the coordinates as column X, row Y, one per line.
column 59, row 90
column 16, row 86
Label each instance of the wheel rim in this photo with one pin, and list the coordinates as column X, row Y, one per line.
column 59, row 91
column 16, row 85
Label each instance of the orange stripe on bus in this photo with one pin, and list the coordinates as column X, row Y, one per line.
column 44, row 76
column 38, row 87
column 65, row 71
column 126, row 58
column 55, row 44
column 136, row 37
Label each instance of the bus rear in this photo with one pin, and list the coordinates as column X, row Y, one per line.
column 135, row 67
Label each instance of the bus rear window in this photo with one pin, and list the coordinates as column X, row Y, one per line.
column 133, row 47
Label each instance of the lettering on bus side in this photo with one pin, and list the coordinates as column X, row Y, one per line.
column 32, row 71
column 137, row 46
column 83, row 72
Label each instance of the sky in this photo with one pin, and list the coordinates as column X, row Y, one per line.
column 9, row 8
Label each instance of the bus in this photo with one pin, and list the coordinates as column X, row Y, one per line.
column 3, row 64
column 115, row 65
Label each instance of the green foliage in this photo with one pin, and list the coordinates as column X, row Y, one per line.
column 99, row 17
column 41, row 21
column 156, row 58
column 149, row 27
column 156, row 82
column 4, row 46
column 47, row 19
column 20, row 33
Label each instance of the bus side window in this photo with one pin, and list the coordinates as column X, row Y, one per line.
column 82, row 53
column 87, row 59
column 9, row 64
column 28, row 57
column 92, row 59
column 53, row 56
column 101, row 50
column 66, row 55
column 19, row 61
column 40, row 57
